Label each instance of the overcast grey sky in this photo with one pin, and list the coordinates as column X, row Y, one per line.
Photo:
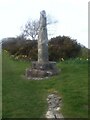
column 72, row 16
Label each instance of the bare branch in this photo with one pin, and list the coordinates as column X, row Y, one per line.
column 51, row 20
column 31, row 28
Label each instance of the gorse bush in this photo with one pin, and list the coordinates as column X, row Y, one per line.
column 59, row 47
column 63, row 47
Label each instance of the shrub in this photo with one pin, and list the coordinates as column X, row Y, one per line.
column 59, row 47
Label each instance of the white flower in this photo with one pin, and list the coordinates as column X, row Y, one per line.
column 62, row 59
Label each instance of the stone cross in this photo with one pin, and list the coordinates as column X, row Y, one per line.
column 43, row 39
column 43, row 67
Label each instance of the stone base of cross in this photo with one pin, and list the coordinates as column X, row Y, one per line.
column 41, row 70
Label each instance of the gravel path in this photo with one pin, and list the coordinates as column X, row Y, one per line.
column 54, row 106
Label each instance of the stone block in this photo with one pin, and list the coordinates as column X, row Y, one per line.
column 42, row 69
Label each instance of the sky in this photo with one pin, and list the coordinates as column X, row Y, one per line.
column 72, row 17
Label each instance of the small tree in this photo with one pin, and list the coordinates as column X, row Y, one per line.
column 31, row 28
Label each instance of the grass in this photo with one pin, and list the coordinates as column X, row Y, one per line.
column 0, row 85
column 24, row 98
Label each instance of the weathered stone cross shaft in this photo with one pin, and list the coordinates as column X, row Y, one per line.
column 43, row 39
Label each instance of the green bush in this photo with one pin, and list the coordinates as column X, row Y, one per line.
column 63, row 47
column 59, row 47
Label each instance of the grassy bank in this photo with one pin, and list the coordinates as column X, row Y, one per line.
column 0, row 85
column 24, row 98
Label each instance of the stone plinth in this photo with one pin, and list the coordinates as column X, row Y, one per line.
column 41, row 70
column 44, row 66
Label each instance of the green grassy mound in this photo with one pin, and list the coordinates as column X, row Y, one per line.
column 24, row 98
column 0, row 85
